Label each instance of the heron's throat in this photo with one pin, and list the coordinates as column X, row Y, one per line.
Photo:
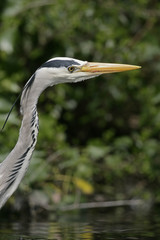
column 30, row 124
column 29, row 100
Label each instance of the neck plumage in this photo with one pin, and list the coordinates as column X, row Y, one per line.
column 13, row 168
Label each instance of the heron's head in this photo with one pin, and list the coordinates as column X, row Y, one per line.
column 62, row 69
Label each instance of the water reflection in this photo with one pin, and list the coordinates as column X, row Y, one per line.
column 88, row 224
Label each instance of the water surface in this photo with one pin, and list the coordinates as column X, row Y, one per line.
column 100, row 224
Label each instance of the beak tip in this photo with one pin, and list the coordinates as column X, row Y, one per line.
column 138, row 67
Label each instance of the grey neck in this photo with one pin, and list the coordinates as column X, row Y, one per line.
column 13, row 168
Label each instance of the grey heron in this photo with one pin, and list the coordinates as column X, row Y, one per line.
column 54, row 71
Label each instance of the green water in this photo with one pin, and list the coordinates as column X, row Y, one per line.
column 99, row 224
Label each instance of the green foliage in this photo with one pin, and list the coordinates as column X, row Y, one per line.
column 100, row 137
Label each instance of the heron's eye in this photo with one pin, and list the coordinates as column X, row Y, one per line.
column 71, row 69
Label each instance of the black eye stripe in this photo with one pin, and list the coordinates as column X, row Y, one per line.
column 59, row 63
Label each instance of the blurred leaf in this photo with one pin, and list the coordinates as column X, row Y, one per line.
column 83, row 185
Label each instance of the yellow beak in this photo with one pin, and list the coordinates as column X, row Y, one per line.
column 100, row 68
